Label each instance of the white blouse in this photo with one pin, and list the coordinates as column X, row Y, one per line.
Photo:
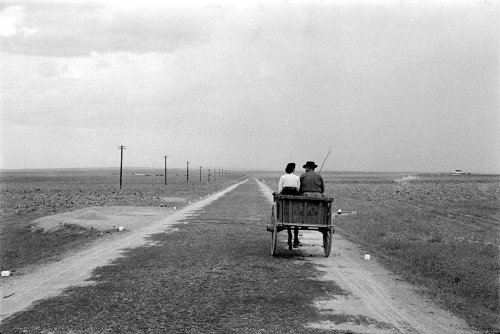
column 288, row 180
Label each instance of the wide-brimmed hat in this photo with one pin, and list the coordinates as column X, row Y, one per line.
column 310, row 164
column 290, row 167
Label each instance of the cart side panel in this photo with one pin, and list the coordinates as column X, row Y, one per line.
column 303, row 211
column 294, row 211
column 312, row 215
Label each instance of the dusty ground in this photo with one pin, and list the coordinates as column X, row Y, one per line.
column 376, row 301
column 349, row 294
column 104, row 218
column 437, row 231
column 24, row 288
column 29, row 195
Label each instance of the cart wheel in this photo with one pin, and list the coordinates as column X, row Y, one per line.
column 274, row 239
column 274, row 236
column 327, row 242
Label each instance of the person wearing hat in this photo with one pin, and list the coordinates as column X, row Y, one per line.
column 289, row 183
column 311, row 183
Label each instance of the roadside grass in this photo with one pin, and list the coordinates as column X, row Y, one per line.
column 445, row 242
column 213, row 275
column 462, row 274
column 438, row 232
column 27, row 196
column 22, row 246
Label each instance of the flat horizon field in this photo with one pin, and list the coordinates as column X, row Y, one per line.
column 254, row 171
column 437, row 231
column 27, row 196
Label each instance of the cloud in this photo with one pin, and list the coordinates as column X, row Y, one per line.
column 10, row 19
column 258, row 81
column 76, row 29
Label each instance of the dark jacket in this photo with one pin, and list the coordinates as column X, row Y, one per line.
column 311, row 182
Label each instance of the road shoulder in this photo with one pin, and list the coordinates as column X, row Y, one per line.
column 376, row 300
column 49, row 280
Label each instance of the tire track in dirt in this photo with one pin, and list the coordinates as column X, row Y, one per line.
column 213, row 275
column 19, row 292
column 376, row 302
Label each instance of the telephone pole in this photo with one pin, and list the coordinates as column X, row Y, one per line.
column 200, row 174
column 121, row 148
column 187, row 171
column 166, row 169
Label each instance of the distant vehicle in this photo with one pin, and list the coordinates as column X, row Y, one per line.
column 459, row 172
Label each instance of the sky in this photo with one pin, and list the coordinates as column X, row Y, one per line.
column 385, row 85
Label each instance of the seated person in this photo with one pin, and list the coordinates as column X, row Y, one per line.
column 289, row 183
column 311, row 183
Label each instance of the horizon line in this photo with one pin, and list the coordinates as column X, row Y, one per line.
column 241, row 169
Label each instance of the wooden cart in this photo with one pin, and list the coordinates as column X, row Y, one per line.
column 305, row 213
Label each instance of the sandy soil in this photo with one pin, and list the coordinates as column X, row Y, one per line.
column 384, row 303
column 105, row 218
column 375, row 302
column 20, row 291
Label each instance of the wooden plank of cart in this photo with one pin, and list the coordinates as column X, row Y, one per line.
column 305, row 213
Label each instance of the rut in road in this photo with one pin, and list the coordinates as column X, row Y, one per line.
column 214, row 274
column 75, row 269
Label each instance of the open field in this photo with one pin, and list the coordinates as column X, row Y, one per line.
column 436, row 231
column 28, row 195
column 207, row 269
column 439, row 232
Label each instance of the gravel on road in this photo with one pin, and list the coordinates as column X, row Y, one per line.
column 214, row 274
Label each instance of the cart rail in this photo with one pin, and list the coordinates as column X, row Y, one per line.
column 306, row 226
column 301, row 212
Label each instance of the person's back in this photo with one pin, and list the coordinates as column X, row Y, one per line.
column 289, row 184
column 310, row 181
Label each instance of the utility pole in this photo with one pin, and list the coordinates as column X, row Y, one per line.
column 121, row 148
column 200, row 174
column 187, row 171
column 166, row 169
column 209, row 175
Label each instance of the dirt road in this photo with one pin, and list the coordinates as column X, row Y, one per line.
column 213, row 273
column 19, row 292
column 377, row 302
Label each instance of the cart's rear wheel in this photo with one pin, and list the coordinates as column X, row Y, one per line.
column 274, row 239
column 327, row 242
column 274, row 236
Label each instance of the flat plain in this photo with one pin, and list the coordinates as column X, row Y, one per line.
column 439, row 232
column 26, row 196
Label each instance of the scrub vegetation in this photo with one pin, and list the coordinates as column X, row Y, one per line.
column 28, row 195
column 438, row 231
